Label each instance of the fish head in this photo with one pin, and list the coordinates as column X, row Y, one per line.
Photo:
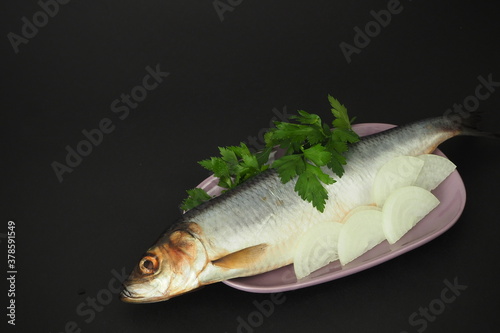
column 169, row 268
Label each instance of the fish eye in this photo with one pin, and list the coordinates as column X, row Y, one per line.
column 148, row 264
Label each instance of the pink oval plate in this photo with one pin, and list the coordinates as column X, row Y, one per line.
column 450, row 192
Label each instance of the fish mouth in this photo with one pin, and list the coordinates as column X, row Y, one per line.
column 129, row 297
column 125, row 295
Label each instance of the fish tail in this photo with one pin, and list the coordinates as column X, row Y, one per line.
column 469, row 126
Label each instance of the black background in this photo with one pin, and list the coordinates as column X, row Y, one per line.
column 225, row 79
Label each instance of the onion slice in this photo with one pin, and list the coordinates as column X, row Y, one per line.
column 360, row 233
column 436, row 169
column 404, row 208
column 398, row 172
column 316, row 248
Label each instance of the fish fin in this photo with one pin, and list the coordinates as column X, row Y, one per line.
column 243, row 258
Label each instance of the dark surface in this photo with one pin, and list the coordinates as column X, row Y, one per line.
column 225, row 80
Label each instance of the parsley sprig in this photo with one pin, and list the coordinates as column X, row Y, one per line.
column 310, row 148
column 236, row 165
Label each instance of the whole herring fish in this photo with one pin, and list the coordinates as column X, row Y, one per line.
column 255, row 227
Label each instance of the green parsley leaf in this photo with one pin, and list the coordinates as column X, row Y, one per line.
column 263, row 157
column 309, row 187
column 318, row 155
column 217, row 165
column 228, row 156
column 196, row 197
column 287, row 134
column 340, row 113
column 307, row 118
column 289, row 166
column 345, row 135
column 335, row 164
